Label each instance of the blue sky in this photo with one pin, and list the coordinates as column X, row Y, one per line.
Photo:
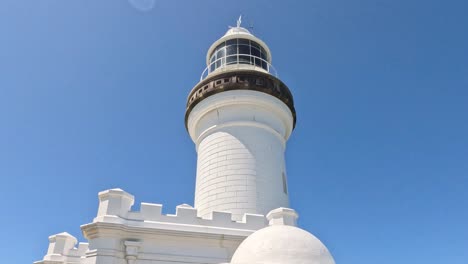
column 92, row 96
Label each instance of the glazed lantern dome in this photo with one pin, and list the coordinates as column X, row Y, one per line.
column 238, row 49
column 282, row 243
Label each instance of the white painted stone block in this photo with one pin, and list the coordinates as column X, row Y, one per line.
column 115, row 202
column 186, row 213
column 254, row 221
column 220, row 218
column 282, row 216
column 60, row 245
column 150, row 211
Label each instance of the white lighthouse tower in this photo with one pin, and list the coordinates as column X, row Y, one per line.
column 240, row 116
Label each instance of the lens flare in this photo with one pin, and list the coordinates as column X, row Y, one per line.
column 142, row 5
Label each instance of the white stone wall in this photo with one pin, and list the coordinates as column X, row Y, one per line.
column 240, row 137
column 119, row 235
column 240, row 171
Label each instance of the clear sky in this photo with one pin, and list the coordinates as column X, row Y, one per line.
column 92, row 97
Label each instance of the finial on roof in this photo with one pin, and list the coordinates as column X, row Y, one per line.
column 239, row 21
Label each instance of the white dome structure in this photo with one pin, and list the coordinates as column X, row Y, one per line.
column 282, row 243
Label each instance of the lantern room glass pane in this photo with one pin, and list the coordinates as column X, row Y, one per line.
column 230, row 50
column 220, row 53
column 244, row 42
column 254, row 44
column 244, row 49
column 258, row 62
column 238, row 51
column 244, row 59
column 231, row 42
column 231, row 59
column 255, row 52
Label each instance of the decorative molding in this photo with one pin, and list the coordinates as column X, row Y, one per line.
column 131, row 251
column 240, row 80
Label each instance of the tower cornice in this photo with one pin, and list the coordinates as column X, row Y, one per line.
column 252, row 80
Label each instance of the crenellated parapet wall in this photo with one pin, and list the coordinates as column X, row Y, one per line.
column 115, row 207
column 119, row 235
column 62, row 250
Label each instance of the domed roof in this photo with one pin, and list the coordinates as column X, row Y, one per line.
column 237, row 30
column 281, row 243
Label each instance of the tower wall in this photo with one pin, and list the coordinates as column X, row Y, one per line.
column 240, row 136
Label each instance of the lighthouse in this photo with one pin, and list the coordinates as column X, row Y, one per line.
column 240, row 116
